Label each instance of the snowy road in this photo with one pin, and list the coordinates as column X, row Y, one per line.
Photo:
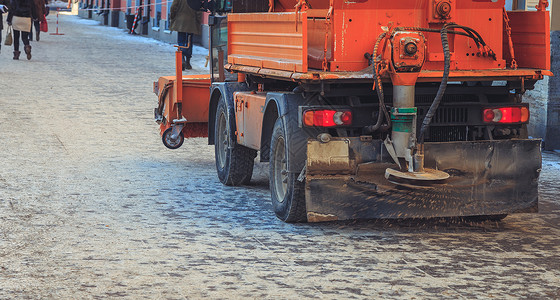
column 93, row 206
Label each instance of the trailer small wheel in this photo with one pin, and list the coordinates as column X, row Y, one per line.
column 287, row 193
column 234, row 162
column 172, row 143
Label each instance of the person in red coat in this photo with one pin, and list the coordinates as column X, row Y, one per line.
column 41, row 8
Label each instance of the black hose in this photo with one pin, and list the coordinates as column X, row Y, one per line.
column 379, row 90
column 443, row 85
column 468, row 29
column 466, row 33
column 487, row 49
column 469, row 32
column 162, row 96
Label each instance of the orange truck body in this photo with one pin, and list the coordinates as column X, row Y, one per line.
column 291, row 45
column 322, row 45
column 297, row 41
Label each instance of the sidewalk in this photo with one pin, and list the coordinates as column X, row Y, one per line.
column 92, row 205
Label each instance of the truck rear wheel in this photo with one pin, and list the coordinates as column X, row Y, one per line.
column 234, row 163
column 287, row 193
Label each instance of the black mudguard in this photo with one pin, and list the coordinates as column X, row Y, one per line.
column 487, row 178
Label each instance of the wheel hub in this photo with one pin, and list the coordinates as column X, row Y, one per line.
column 280, row 170
column 223, row 141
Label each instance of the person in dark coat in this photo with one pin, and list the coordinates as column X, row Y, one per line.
column 41, row 12
column 25, row 9
column 186, row 22
column 3, row 9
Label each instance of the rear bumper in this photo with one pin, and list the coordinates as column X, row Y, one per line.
column 487, row 178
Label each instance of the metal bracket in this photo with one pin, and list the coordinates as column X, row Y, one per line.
column 157, row 116
column 177, row 126
column 389, row 146
column 301, row 176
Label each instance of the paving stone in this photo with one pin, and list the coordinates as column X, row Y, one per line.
column 92, row 205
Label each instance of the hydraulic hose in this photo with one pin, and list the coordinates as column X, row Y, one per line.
column 161, row 98
column 442, row 86
column 380, row 94
column 466, row 33
column 473, row 32
column 469, row 32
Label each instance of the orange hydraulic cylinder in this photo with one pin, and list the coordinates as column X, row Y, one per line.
column 178, row 86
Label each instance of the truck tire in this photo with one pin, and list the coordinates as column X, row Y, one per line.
column 287, row 193
column 234, row 163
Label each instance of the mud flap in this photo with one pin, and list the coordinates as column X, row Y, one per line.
column 487, row 178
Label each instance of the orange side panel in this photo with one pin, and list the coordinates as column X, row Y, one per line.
column 288, row 5
column 249, row 113
column 286, row 41
column 357, row 24
column 531, row 39
column 316, row 42
column 268, row 40
column 196, row 99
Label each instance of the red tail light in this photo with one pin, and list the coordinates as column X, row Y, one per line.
column 327, row 118
column 506, row 115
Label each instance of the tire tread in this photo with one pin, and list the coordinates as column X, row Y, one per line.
column 239, row 159
column 241, row 165
column 293, row 208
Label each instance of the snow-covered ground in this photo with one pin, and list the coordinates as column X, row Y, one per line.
column 92, row 205
column 119, row 35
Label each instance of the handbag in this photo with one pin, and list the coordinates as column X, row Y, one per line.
column 9, row 38
column 44, row 25
column 21, row 23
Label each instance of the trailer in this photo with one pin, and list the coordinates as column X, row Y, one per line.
column 369, row 108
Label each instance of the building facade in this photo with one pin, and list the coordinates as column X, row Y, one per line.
column 545, row 98
column 152, row 17
column 552, row 137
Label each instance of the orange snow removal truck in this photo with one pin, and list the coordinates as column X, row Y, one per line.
column 369, row 108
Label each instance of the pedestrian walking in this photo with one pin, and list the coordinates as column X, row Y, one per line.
column 186, row 21
column 3, row 9
column 41, row 13
column 20, row 15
